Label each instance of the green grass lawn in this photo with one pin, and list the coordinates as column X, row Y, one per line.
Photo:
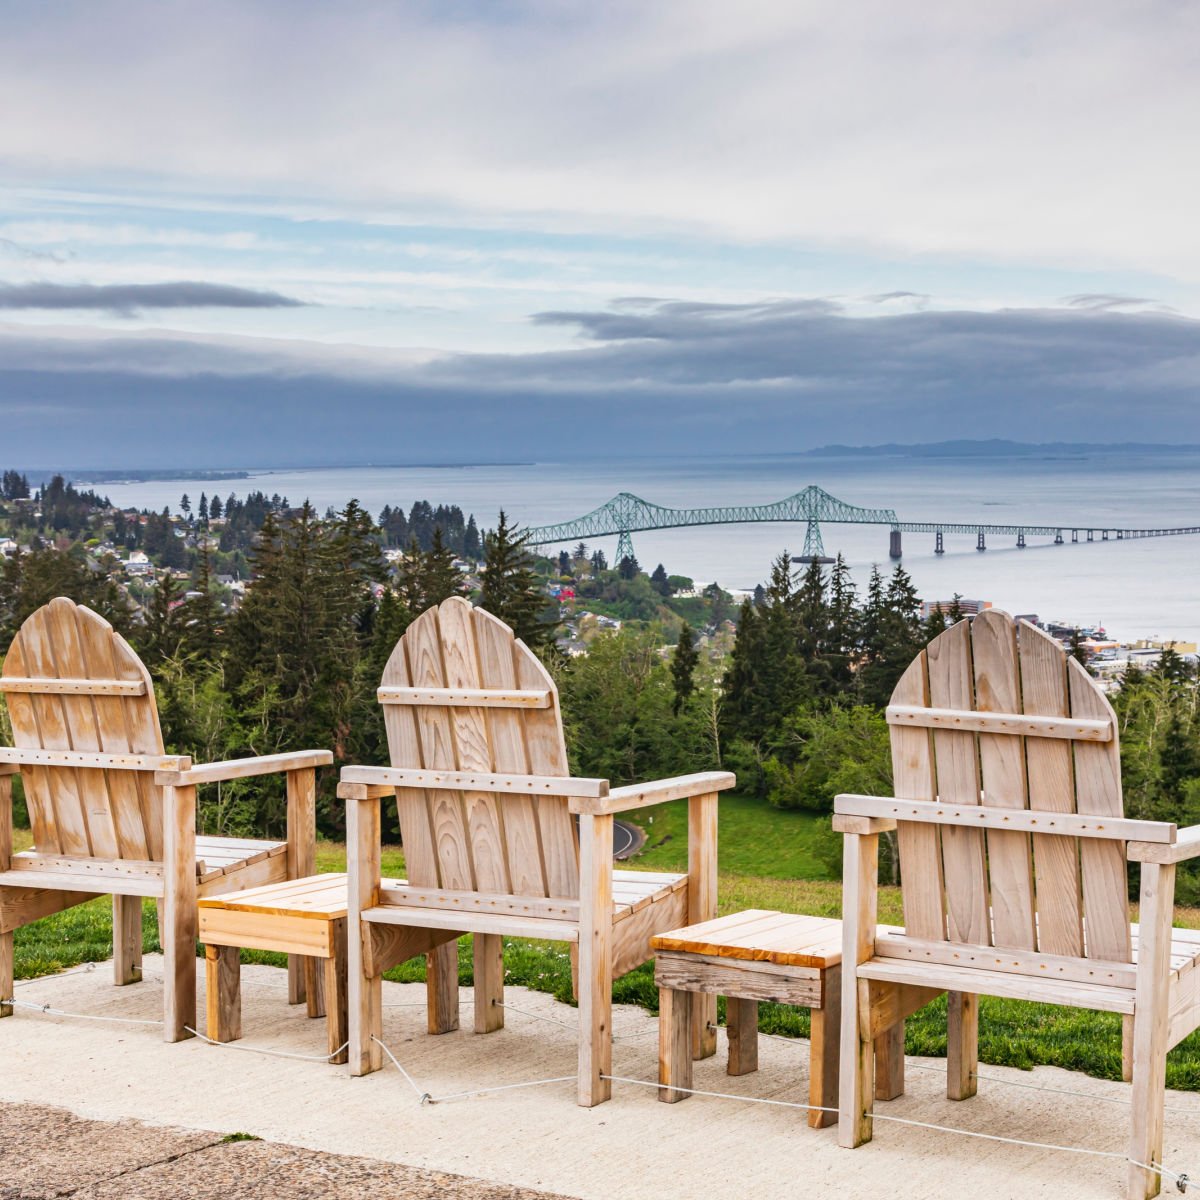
column 1011, row 1033
column 753, row 839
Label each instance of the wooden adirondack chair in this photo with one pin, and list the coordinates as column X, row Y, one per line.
column 1013, row 847
column 113, row 815
column 486, row 804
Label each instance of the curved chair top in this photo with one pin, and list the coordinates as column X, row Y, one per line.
column 73, row 683
column 995, row 711
column 461, row 693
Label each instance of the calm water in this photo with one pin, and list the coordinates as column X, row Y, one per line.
column 1133, row 588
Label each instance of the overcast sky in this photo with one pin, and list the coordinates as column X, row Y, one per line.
column 406, row 231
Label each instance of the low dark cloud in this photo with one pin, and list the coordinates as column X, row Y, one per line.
column 667, row 377
column 1104, row 301
column 132, row 297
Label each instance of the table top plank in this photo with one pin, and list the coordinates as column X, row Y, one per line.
column 760, row 935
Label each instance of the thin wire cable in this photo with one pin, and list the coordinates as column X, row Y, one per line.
column 504, row 1087
column 266, row 1049
column 424, row 1097
column 56, row 975
column 1181, row 1180
column 51, row 1011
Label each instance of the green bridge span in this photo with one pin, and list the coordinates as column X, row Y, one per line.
column 627, row 514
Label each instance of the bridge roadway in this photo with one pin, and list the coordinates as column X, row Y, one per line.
column 626, row 514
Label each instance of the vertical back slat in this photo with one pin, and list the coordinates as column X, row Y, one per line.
column 497, row 670
column 1098, row 790
column 96, row 646
column 36, row 780
column 412, row 805
column 919, row 845
column 1051, row 789
column 66, row 796
column 80, row 718
column 548, row 756
column 1002, row 767
column 439, row 753
column 144, row 735
column 485, row 832
column 957, row 767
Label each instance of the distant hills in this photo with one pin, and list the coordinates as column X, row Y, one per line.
column 995, row 448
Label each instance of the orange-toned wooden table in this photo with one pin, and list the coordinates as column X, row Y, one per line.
column 748, row 957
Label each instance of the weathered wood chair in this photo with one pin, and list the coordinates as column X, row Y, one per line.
column 112, row 814
column 486, row 804
column 1013, row 846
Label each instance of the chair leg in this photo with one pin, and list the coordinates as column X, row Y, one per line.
column 6, row 973
column 889, row 1063
column 856, row 1091
column 1151, row 1010
column 334, row 981
column 488, row 950
column 441, row 988
column 364, row 1000
column 962, row 1045
column 595, row 959
column 127, row 940
column 1127, row 1047
column 674, row 1044
column 223, row 992
column 741, row 1028
column 179, row 913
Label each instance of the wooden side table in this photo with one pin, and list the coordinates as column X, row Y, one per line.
column 748, row 957
column 299, row 916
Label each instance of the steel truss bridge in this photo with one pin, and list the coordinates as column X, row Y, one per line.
column 626, row 514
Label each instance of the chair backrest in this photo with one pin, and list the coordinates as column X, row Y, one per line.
column 461, row 693
column 72, row 683
column 1020, row 891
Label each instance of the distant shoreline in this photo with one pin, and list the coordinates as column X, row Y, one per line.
column 996, row 448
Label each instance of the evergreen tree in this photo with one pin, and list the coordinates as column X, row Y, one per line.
column 162, row 633
column 683, row 667
column 510, row 588
column 472, row 542
column 628, row 567
column 428, row 577
column 202, row 511
column 564, row 563
column 203, row 616
column 660, row 582
column 599, row 562
column 214, row 507
column 185, row 505
column 580, row 551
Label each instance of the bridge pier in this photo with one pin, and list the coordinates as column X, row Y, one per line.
column 1074, row 535
column 938, row 545
column 1058, row 538
column 1021, row 540
column 980, row 541
column 894, row 550
column 1091, row 537
column 1104, row 535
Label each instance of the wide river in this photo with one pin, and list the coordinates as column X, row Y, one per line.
column 1133, row 588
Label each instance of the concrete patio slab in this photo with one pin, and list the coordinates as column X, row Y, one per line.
column 536, row 1137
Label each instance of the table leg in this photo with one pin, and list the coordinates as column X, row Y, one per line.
column 825, row 1052
column 741, row 1026
column 674, row 1044
column 337, row 1013
column 223, row 992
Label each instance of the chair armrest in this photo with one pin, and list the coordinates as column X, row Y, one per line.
column 642, row 795
column 243, row 768
column 1186, row 845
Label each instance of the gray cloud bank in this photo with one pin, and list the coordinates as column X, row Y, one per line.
column 133, row 297
column 647, row 377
